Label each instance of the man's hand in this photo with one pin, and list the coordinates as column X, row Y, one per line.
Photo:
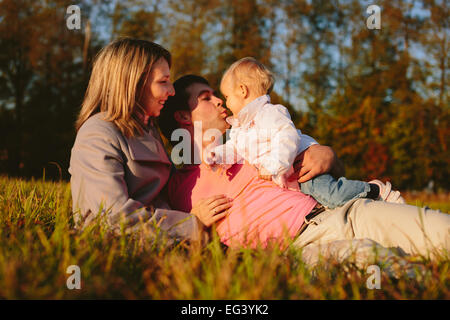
column 314, row 161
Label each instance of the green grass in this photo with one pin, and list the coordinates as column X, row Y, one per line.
column 38, row 243
column 437, row 201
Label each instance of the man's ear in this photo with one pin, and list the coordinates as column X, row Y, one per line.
column 182, row 117
column 243, row 90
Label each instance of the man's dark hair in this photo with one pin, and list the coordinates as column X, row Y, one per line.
column 178, row 102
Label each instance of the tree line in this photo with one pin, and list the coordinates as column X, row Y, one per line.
column 378, row 97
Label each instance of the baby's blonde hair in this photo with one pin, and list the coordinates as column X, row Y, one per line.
column 251, row 73
column 119, row 73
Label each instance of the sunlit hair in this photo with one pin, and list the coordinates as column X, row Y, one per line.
column 252, row 73
column 119, row 73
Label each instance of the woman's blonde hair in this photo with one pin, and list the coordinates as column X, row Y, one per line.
column 252, row 73
column 115, row 87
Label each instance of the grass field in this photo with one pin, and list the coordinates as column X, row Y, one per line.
column 38, row 243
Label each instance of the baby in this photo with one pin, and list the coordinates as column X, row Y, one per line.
column 264, row 135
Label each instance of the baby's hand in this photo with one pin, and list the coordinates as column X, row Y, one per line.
column 264, row 174
column 211, row 158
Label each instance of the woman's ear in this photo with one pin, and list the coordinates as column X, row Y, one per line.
column 182, row 117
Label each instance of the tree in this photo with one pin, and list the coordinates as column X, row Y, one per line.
column 41, row 66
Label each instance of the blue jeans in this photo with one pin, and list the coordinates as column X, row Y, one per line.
column 333, row 193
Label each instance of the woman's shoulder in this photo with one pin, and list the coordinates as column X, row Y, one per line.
column 97, row 123
column 97, row 130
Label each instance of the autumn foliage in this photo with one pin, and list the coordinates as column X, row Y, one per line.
column 378, row 97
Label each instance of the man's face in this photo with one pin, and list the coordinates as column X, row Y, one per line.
column 206, row 107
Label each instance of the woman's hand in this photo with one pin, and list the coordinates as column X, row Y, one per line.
column 212, row 209
column 314, row 161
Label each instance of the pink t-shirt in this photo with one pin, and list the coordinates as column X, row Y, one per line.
column 261, row 213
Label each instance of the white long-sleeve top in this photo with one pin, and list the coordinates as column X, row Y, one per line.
column 264, row 135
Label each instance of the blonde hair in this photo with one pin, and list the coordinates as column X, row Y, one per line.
column 119, row 73
column 252, row 73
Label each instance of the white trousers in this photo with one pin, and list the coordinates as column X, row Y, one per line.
column 354, row 230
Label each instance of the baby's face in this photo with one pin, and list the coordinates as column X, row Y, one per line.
column 235, row 101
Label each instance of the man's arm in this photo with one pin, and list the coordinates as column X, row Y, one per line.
column 317, row 160
column 338, row 168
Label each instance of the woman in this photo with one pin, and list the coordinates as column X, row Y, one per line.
column 262, row 212
column 118, row 164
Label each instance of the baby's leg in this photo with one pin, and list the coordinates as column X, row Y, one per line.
column 334, row 193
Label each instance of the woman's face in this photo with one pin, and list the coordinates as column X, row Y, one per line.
column 157, row 88
column 206, row 107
